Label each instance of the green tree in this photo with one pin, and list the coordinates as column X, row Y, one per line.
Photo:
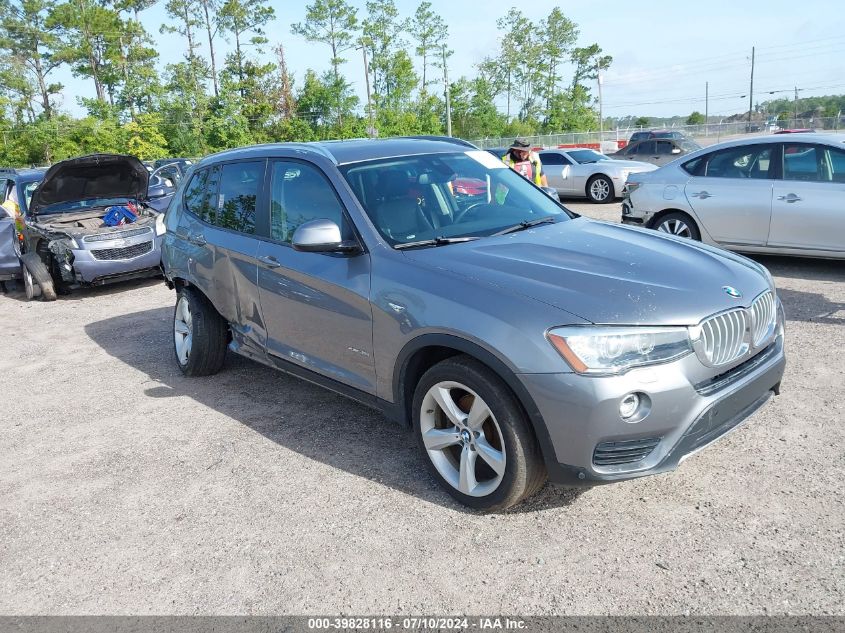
column 430, row 32
column 588, row 60
column 245, row 21
column 29, row 44
column 331, row 22
column 187, row 18
column 641, row 121
column 696, row 118
column 143, row 138
column 382, row 32
column 211, row 21
column 87, row 41
column 559, row 35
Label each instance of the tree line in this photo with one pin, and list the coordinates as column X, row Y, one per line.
column 204, row 101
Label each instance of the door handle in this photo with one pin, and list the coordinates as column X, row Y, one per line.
column 701, row 194
column 198, row 239
column 269, row 261
column 790, row 197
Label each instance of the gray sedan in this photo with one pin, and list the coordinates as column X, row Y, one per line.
column 584, row 172
column 767, row 194
column 657, row 151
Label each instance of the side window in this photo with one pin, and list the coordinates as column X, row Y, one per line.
column 646, row 147
column 664, row 147
column 240, row 184
column 800, row 162
column 551, row 159
column 835, row 164
column 300, row 193
column 195, row 194
column 747, row 161
column 695, row 166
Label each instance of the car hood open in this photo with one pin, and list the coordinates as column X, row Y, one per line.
column 606, row 273
column 97, row 176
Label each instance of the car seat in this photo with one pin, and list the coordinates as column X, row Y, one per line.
column 399, row 216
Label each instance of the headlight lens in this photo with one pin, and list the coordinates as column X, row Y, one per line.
column 613, row 350
column 161, row 229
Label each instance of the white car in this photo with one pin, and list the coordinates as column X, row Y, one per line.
column 583, row 172
column 768, row 194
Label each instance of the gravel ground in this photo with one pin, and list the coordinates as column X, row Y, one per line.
column 126, row 488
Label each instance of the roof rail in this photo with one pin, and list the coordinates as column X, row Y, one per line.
column 443, row 139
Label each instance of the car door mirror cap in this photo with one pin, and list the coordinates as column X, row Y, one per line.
column 157, row 192
column 322, row 236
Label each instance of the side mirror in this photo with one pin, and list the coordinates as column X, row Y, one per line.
column 676, row 150
column 549, row 191
column 156, row 192
column 322, row 236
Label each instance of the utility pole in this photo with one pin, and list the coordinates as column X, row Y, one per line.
column 601, row 112
column 751, row 91
column 447, row 95
column 795, row 108
column 371, row 132
column 706, row 105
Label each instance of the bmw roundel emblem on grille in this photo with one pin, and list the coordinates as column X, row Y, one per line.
column 732, row 292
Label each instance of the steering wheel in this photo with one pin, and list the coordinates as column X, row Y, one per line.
column 462, row 214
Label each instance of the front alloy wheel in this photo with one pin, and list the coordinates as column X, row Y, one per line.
column 462, row 438
column 199, row 334
column 183, row 330
column 475, row 436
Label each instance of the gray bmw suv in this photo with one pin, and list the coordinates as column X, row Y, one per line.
column 519, row 341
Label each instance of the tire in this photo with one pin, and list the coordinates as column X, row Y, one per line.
column 199, row 334
column 600, row 189
column 36, row 278
column 679, row 224
column 462, row 458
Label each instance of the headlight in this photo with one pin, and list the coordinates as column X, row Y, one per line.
column 613, row 350
column 161, row 229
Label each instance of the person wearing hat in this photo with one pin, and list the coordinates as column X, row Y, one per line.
column 522, row 160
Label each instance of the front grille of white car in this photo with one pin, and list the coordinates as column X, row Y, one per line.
column 729, row 336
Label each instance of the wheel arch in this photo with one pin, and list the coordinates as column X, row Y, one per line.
column 421, row 353
column 664, row 212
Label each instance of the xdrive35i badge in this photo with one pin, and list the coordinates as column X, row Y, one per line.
column 732, row 292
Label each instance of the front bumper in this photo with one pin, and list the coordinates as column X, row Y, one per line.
column 688, row 411
column 89, row 267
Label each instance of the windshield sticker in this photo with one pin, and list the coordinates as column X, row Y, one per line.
column 487, row 159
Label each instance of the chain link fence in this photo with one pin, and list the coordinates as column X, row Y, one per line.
column 705, row 134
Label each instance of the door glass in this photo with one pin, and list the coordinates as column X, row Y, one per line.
column 195, row 195
column 239, row 187
column 800, row 163
column 646, row 147
column 833, row 162
column 551, row 159
column 299, row 193
column 664, row 147
column 740, row 162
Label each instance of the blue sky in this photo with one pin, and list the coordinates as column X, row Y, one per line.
column 664, row 51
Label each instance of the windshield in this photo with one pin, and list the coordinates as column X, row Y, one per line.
column 28, row 190
column 81, row 205
column 584, row 156
column 689, row 146
column 470, row 194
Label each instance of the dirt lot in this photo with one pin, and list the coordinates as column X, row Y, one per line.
column 126, row 488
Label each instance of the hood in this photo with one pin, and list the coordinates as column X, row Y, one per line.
column 98, row 176
column 606, row 273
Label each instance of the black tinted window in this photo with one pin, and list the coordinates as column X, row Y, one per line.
column 695, row 165
column 239, row 187
column 300, row 193
column 646, row 147
column 664, row 147
column 551, row 159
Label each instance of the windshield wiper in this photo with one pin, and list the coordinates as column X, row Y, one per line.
column 437, row 241
column 527, row 224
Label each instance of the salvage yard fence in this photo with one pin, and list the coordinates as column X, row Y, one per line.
column 705, row 134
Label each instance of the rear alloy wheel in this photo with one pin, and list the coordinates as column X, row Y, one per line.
column 475, row 436
column 600, row 189
column 199, row 335
column 679, row 224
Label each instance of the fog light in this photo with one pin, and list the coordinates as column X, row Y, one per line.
column 629, row 405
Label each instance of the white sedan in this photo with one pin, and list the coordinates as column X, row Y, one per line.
column 583, row 172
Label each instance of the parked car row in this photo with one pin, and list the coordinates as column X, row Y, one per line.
column 422, row 277
column 85, row 221
column 768, row 194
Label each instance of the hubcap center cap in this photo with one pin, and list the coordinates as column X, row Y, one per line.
column 466, row 436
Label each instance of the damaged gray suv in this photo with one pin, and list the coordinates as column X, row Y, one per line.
column 88, row 223
column 423, row 278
